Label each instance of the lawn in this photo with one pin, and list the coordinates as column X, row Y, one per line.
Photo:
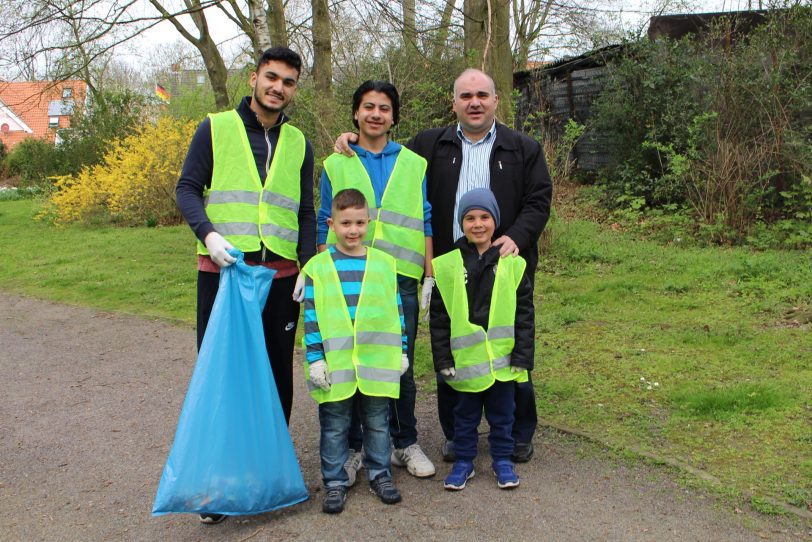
column 703, row 355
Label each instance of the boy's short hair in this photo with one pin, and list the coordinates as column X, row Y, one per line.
column 349, row 198
column 282, row 54
column 384, row 87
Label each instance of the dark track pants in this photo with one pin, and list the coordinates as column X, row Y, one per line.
column 525, row 417
column 497, row 401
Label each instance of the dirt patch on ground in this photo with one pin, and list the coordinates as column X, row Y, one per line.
column 89, row 406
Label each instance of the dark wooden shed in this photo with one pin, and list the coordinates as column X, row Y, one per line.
column 551, row 95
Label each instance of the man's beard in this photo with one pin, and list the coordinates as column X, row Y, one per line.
column 269, row 109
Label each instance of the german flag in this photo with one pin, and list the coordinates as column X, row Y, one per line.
column 161, row 92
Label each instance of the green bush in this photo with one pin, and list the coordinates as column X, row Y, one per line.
column 34, row 161
column 721, row 130
column 111, row 116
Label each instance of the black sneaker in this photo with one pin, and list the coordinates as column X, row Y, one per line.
column 383, row 487
column 212, row 519
column 334, row 500
column 449, row 455
column 522, row 452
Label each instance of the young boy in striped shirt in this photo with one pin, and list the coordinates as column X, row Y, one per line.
column 355, row 348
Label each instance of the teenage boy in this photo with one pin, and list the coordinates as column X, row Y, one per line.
column 393, row 178
column 247, row 182
column 355, row 348
column 482, row 327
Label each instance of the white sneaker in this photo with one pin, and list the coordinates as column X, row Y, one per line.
column 353, row 464
column 415, row 461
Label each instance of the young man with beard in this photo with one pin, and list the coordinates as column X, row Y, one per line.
column 247, row 182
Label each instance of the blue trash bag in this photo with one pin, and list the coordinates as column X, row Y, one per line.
column 232, row 452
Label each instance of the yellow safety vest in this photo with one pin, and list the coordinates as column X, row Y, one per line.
column 480, row 357
column 364, row 355
column 243, row 210
column 398, row 226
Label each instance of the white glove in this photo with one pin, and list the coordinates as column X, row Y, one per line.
column 404, row 363
column 514, row 369
column 319, row 376
column 218, row 249
column 451, row 371
column 298, row 290
column 425, row 293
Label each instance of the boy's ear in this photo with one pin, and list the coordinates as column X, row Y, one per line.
column 330, row 223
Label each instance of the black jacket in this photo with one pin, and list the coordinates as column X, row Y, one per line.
column 519, row 180
column 481, row 272
column 199, row 164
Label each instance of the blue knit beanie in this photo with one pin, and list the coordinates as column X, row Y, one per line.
column 478, row 198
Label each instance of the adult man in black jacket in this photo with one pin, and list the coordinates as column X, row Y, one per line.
column 479, row 152
column 519, row 179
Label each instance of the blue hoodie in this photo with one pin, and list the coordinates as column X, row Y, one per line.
column 379, row 167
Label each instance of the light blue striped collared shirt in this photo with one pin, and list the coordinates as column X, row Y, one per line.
column 475, row 169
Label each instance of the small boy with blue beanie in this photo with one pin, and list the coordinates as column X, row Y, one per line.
column 482, row 337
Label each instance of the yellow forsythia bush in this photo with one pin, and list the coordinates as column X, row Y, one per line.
column 133, row 185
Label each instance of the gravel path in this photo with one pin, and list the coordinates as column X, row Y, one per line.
column 89, row 406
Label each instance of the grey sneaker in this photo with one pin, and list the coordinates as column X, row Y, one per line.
column 383, row 487
column 414, row 459
column 334, row 499
column 353, row 464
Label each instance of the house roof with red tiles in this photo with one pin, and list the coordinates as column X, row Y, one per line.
column 37, row 108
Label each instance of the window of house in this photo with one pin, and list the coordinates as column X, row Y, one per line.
column 201, row 79
column 53, row 122
column 67, row 92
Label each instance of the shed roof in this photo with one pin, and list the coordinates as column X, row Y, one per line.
column 681, row 25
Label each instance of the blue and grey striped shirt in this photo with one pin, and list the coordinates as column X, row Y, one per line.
column 351, row 275
column 475, row 170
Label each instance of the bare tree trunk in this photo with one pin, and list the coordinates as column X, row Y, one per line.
column 218, row 73
column 323, row 73
column 276, row 23
column 259, row 21
column 441, row 37
column 500, row 62
column 487, row 46
column 476, row 19
column 409, row 26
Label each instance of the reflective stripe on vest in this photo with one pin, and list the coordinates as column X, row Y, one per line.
column 398, row 227
column 241, row 209
column 480, row 357
column 364, row 356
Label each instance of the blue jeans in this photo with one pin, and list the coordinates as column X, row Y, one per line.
column 334, row 418
column 402, row 421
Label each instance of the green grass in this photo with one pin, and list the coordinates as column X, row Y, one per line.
column 146, row 271
column 733, row 374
